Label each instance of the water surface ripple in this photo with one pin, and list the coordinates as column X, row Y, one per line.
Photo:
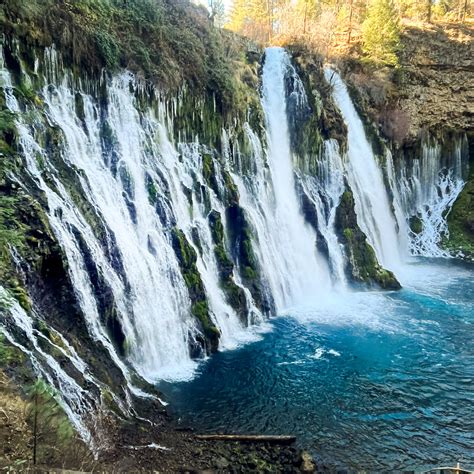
column 375, row 381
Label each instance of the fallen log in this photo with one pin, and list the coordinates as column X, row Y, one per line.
column 274, row 439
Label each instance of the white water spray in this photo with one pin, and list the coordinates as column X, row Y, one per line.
column 286, row 246
column 427, row 188
column 365, row 177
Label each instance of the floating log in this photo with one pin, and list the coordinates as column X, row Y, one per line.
column 249, row 438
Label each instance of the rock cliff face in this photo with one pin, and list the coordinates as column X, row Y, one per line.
column 59, row 246
column 437, row 90
column 428, row 100
column 432, row 91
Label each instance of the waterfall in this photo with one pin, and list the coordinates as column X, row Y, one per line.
column 139, row 186
column 325, row 191
column 188, row 172
column 77, row 400
column 286, row 246
column 365, row 177
column 118, row 187
column 426, row 188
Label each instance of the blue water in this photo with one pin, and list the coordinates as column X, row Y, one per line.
column 375, row 381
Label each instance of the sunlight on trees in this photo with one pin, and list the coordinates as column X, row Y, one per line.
column 338, row 24
column 381, row 33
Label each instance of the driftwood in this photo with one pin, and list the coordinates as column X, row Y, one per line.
column 249, row 438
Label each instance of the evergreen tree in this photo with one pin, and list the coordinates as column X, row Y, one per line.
column 255, row 18
column 49, row 423
column 381, row 33
column 306, row 10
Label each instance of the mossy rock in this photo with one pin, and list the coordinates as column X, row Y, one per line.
column 187, row 258
column 209, row 172
column 241, row 238
column 461, row 220
column 235, row 295
column 416, row 225
column 361, row 263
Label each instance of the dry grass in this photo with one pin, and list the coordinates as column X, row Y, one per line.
column 15, row 434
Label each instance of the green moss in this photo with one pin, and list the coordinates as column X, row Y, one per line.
column 209, row 172
column 241, row 238
column 461, row 221
column 7, row 352
column 416, row 225
column 362, row 265
column 232, row 193
column 13, row 233
column 348, row 234
column 321, row 119
column 152, row 190
column 199, row 308
column 234, row 294
column 165, row 42
column 26, row 92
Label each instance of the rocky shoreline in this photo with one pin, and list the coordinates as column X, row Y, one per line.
column 154, row 442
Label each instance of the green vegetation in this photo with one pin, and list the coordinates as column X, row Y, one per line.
column 381, row 33
column 362, row 264
column 341, row 28
column 13, row 231
column 209, row 172
column 164, row 41
column 50, row 426
column 461, row 221
column 7, row 352
column 234, row 294
column 199, row 306
column 241, row 238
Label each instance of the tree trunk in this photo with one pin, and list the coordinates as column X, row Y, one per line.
column 464, row 11
column 350, row 21
column 270, row 20
column 428, row 11
column 305, row 16
column 249, row 438
column 35, row 429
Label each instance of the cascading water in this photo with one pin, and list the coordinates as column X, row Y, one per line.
column 427, row 187
column 121, row 157
column 286, row 246
column 188, row 172
column 138, row 187
column 325, row 191
column 78, row 400
column 154, row 303
column 365, row 177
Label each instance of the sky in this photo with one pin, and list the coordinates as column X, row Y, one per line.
column 227, row 3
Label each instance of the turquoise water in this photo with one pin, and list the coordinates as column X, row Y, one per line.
column 376, row 381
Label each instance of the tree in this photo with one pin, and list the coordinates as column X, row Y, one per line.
column 49, row 423
column 381, row 33
column 429, row 4
column 307, row 10
column 255, row 18
column 217, row 12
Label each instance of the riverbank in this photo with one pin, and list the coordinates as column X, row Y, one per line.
column 140, row 445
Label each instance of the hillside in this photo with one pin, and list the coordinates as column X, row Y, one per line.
column 168, row 187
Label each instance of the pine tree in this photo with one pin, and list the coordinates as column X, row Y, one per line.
column 307, row 11
column 254, row 18
column 381, row 33
column 49, row 423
